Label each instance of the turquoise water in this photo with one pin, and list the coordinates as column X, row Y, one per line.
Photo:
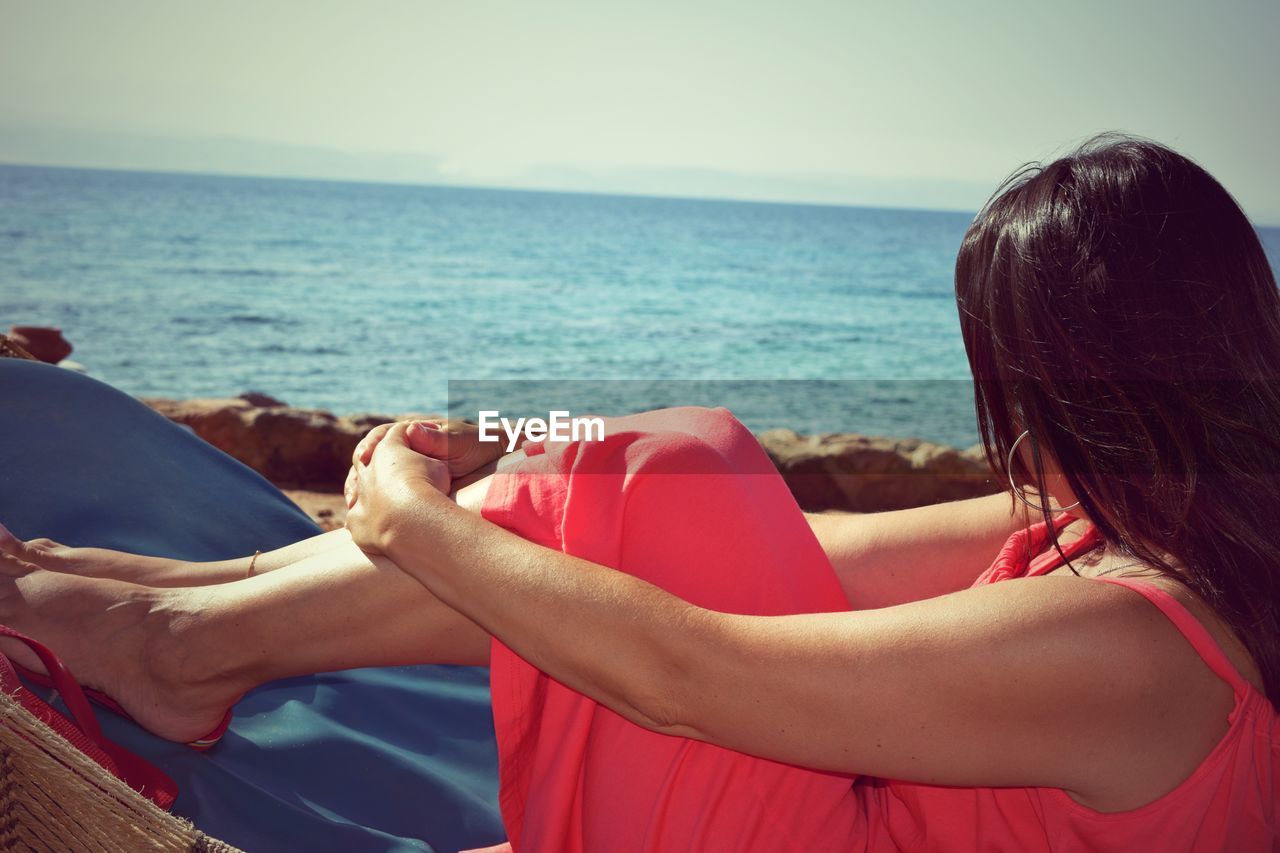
column 358, row 297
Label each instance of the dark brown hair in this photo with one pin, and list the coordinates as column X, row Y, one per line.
column 1118, row 304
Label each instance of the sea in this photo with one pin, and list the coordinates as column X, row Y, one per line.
column 359, row 297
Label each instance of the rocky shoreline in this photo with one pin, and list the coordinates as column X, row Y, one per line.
column 306, row 452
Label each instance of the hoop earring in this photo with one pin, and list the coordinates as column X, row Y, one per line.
column 1018, row 491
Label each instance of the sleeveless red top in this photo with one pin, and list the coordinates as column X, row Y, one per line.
column 687, row 500
column 1230, row 801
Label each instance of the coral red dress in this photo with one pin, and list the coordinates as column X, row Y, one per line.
column 687, row 500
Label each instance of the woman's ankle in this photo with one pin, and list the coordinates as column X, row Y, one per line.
column 192, row 645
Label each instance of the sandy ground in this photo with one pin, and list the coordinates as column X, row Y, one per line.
column 327, row 509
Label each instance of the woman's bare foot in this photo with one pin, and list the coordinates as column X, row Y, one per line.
column 109, row 564
column 120, row 638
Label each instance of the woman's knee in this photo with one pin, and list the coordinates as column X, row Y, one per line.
column 703, row 520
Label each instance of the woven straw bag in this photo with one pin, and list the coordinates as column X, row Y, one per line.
column 55, row 798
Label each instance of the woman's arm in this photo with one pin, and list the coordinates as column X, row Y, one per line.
column 1001, row 685
column 881, row 559
column 888, row 558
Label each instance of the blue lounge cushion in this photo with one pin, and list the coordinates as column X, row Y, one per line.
column 375, row 759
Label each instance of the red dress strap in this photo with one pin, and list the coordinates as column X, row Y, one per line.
column 1050, row 559
column 1029, row 552
column 1191, row 628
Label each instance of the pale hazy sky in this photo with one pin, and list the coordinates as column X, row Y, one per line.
column 926, row 104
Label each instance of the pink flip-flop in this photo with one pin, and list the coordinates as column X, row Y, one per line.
column 201, row 744
column 80, row 726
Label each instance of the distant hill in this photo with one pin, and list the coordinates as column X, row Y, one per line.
column 34, row 145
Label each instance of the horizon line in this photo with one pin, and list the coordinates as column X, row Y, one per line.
column 486, row 187
column 462, row 185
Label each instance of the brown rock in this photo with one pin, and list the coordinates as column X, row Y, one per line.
column 257, row 398
column 45, row 343
column 297, row 448
column 10, row 349
column 861, row 473
column 311, row 450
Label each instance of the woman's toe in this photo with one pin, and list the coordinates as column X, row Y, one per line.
column 31, row 549
column 12, row 566
column 9, row 543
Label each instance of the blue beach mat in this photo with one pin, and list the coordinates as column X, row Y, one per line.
column 375, row 759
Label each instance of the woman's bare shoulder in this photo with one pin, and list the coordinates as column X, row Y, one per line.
column 1153, row 696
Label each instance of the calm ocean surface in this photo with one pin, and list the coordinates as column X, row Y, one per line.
column 359, row 297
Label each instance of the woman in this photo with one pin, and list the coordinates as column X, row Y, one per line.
column 1108, row 682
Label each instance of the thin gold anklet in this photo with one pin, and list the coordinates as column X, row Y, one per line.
column 252, row 560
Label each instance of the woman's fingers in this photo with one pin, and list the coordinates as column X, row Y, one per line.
column 350, row 489
column 9, row 544
column 400, row 448
column 397, row 476
column 364, row 449
column 456, row 442
column 429, row 439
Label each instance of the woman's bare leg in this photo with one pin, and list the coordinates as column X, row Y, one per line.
column 166, row 571
column 176, row 658
column 170, row 572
